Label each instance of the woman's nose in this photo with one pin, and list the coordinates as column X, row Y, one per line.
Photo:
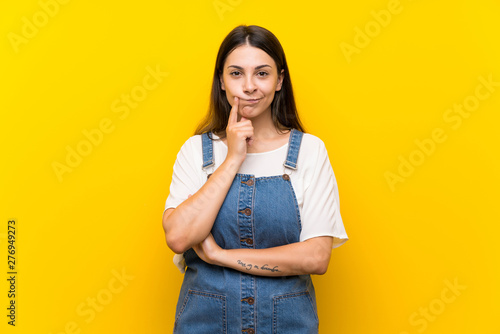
column 249, row 85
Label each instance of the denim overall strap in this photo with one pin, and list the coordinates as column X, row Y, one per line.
column 293, row 149
column 208, row 151
column 290, row 162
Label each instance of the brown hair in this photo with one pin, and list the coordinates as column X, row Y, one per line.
column 283, row 109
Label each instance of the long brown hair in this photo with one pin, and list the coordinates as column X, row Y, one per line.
column 283, row 109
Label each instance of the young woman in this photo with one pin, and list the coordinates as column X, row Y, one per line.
column 253, row 208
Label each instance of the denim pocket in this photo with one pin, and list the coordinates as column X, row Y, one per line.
column 202, row 312
column 295, row 313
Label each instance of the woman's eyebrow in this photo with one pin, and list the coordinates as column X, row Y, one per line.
column 257, row 68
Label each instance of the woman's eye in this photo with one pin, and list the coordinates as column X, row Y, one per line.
column 234, row 72
column 263, row 74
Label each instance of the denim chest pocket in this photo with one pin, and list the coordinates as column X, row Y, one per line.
column 295, row 313
column 202, row 312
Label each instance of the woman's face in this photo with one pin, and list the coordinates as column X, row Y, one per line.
column 251, row 74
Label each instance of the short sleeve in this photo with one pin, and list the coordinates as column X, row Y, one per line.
column 186, row 176
column 321, row 208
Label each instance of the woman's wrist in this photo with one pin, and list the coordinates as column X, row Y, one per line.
column 209, row 251
column 232, row 164
column 219, row 256
column 214, row 255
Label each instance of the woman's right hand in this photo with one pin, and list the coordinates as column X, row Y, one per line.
column 192, row 220
column 238, row 134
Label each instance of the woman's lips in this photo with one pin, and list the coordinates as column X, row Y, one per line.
column 252, row 101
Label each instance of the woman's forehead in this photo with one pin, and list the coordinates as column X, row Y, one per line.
column 246, row 56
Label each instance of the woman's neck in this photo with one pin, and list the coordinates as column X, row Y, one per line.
column 263, row 127
column 266, row 136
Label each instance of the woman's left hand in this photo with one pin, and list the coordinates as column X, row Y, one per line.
column 208, row 250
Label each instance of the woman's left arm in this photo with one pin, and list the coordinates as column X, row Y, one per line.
column 306, row 257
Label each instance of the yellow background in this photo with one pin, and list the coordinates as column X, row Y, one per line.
column 437, row 227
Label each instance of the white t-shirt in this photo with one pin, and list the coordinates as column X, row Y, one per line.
column 313, row 182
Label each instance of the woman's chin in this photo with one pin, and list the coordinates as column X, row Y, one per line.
column 247, row 112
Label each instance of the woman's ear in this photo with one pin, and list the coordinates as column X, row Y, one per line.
column 280, row 80
column 222, row 83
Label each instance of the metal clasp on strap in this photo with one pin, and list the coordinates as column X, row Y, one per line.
column 290, row 165
column 286, row 175
column 205, row 169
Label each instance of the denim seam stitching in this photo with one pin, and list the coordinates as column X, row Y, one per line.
column 296, row 204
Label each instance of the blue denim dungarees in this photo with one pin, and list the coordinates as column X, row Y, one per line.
column 258, row 212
